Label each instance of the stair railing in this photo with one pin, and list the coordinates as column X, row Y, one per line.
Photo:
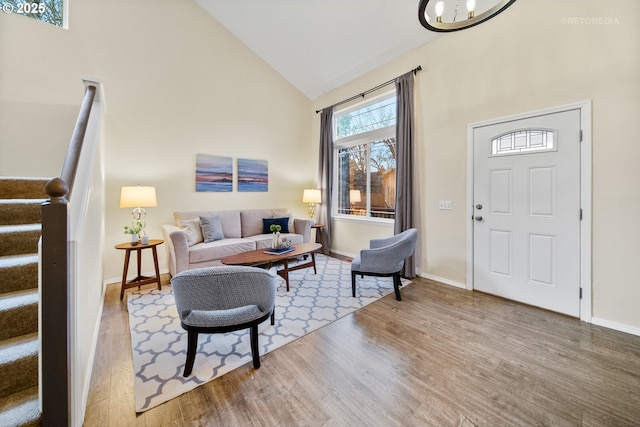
column 58, row 397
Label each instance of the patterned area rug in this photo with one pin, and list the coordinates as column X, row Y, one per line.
column 159, row 343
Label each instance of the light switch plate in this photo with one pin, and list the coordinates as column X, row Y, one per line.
column 444, row 205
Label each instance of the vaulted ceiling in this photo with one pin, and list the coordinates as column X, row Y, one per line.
column 320, row 45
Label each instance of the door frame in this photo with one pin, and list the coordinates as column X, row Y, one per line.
column 585, row 194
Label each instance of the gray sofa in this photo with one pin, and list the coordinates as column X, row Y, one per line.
column 241, row 231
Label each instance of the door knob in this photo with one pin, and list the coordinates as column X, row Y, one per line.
column 478, row 218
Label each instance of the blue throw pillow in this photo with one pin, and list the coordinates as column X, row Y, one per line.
column 268, row 222
column 211, row 228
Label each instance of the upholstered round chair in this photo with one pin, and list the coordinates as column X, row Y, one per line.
column 222, row 299
column 385, row 257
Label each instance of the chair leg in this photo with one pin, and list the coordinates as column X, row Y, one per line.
column 353, row 284
column 192, row 344
column 273, row 316
column 253, row 334
column 396, row 285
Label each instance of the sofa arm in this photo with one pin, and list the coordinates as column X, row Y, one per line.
column 177, row 247
column 303, row 226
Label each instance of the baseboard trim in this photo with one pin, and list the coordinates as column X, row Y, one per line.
column 443, row 280
column 615, row 325
column 420, row 274
column 342, row 253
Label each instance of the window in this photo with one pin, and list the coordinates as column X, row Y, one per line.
column 49, row 11
column 365, row 145
column 523, row 141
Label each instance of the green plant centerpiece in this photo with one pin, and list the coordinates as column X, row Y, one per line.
column 277, row 242
column 275, row 228
column 134, row 231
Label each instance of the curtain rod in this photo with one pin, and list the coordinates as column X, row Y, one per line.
column 366, row 92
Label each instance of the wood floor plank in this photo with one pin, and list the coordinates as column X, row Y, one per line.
column 442, row 356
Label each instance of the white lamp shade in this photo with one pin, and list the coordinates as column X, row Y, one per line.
column 354, row 196
column 311, row 196
column 138, row 197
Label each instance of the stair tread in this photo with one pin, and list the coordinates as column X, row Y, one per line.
column 12, row 300
column 15, row 348
column 20, row 409
column 17, row 260
column 20, row 228
column 22, row 201
column 18, row 272
column 13, row 228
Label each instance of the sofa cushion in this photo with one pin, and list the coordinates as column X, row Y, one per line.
column 192, row 228
column 211, row 228
column 218, row 249
column 252, row 221
column 230, row 220
column 279, row 213
column 263, row 241
column 282, row 222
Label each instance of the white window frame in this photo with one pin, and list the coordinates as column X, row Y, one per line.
column 352, row 141
column 525, row 150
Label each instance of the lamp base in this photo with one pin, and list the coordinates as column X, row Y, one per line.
column 139, row 215
column 312, row 210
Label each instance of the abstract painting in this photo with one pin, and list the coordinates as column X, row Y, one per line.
column 214, row 173
column 253, row 175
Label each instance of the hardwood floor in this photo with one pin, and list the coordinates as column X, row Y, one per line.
column 442, row 356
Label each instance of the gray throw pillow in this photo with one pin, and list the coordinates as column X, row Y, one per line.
column 211, row 228
column 193, row 230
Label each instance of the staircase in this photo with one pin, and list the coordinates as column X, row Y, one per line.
column 20, row 207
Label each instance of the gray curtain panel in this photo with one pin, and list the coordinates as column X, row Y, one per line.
column 325, row 177
column 405, row 187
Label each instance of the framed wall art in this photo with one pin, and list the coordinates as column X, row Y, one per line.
column 253, row 175
column 214, row 173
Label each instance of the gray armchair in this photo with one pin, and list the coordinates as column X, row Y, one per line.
column 223, row 299
column 385, row 257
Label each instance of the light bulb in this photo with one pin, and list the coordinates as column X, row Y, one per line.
column 439, row 10
column 471, row 5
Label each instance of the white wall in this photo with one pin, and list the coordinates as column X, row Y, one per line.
column 40, row 93
column 537, row 54
column 169, row 72
column 177, row 83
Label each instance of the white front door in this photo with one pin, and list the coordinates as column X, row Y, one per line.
column 526, row 228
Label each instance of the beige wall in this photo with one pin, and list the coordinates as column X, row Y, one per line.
column 176, row 83
column 169, row 73
column 537, row 54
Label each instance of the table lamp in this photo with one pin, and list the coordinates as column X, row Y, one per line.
column 312, row 196
column 138, row 197
column 354, row 197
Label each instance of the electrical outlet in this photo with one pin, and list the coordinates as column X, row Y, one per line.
column 444, row 205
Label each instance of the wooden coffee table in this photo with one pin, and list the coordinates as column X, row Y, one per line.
column 258, row 257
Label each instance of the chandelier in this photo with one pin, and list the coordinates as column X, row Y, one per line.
column 444, row 15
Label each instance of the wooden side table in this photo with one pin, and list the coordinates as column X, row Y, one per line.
column 140, row 279
column 317, row 227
